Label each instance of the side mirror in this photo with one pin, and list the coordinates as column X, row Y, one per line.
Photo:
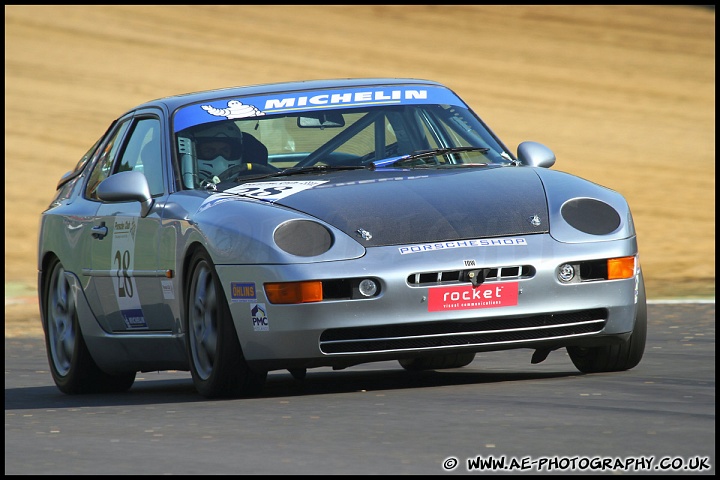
column 126, row 187
column 534, row 154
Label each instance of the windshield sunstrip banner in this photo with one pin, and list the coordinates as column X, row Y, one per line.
column 256, row 106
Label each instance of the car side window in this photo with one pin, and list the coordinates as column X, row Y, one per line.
column 142, row 154
column 103, row 166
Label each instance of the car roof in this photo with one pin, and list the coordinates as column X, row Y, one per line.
column 173, row 102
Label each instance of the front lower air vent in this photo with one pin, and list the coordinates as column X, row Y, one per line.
column 480, row 275
column 510, row 331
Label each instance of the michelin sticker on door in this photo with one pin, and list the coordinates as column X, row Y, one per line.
column 259, row 317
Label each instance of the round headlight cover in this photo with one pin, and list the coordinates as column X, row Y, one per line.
column 304, row 238
column 591, row 216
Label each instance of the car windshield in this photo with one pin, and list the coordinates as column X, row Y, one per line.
column 234, row 141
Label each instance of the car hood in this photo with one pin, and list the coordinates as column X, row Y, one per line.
column 392, row 207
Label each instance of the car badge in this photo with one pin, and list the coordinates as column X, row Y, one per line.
column 534, row 221
column 364, row 234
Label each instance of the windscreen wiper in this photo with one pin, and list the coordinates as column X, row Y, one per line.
column 396, row 161
column 299, row 171
column 316, row 169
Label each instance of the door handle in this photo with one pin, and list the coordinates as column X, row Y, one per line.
column 99, row 231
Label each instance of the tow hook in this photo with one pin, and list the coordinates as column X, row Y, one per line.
column 540, row 355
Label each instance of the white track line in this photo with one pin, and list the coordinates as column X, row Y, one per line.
column 689, row 300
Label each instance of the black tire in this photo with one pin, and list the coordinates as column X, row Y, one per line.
column 618, row 357
column 71, row 365
column 217, row 364
column 438, row 362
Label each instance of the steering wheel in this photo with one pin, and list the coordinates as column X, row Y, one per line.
column 246, row 168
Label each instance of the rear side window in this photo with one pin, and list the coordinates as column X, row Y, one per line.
column 86, row 158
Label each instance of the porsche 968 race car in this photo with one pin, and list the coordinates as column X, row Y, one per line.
column 326, row 223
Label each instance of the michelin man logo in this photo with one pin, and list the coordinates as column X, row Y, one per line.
column 235, row 109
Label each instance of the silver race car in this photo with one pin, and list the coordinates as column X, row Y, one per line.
column 326, row 223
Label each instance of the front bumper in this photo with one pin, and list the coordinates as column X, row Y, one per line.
column 402, row 321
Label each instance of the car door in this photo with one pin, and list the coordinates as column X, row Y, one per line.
column 124, row 260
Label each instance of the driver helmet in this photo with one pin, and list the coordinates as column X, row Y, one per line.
column 218, row 147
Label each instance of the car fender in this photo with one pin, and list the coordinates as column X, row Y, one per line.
column 576, row 204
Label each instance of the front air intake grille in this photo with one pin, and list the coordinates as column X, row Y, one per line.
column 496, row 274
column 488, row 331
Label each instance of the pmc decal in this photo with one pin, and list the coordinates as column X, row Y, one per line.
column 259, row 317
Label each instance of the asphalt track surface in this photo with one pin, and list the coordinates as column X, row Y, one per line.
column 379, row 419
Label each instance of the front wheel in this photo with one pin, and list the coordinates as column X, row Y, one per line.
column 217, row 364
column 71, row 365
column 615, row 358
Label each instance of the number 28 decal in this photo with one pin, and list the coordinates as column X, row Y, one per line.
column 123, row 260
column 124, row 282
